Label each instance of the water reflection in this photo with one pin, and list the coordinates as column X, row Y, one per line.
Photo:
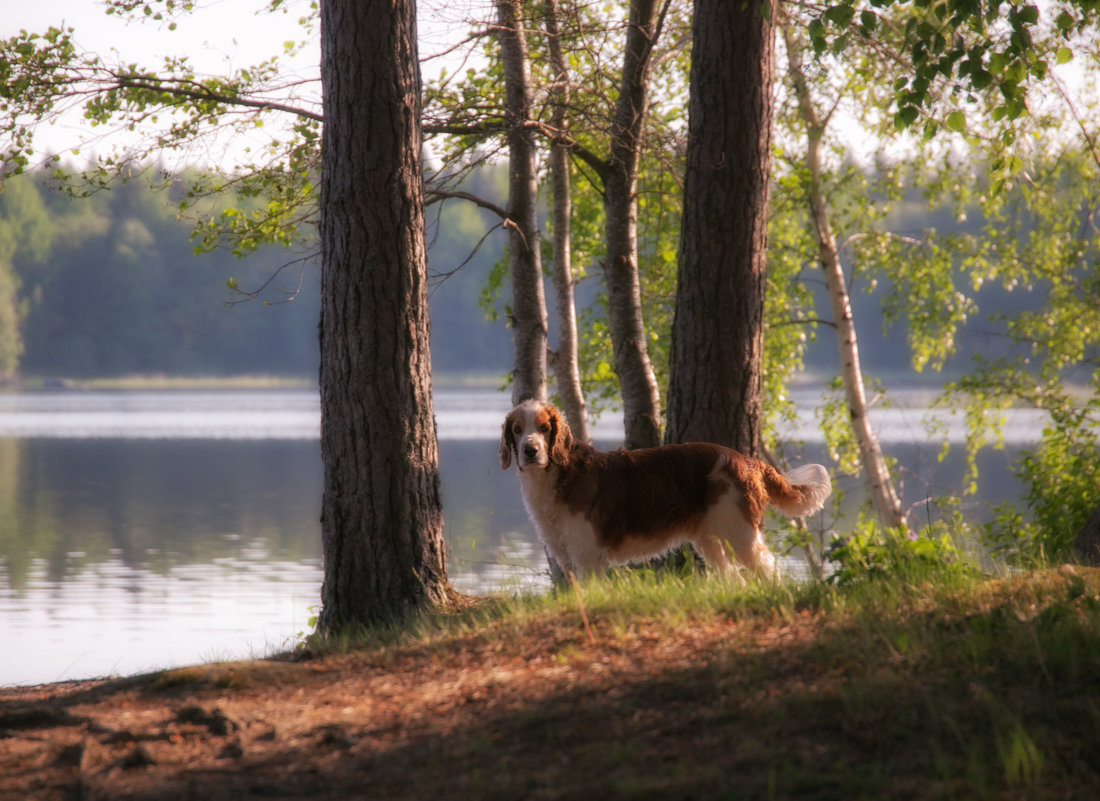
column 151, row 529
column 123, row 555
column 114, row 618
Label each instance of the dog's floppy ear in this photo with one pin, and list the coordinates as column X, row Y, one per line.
column 561, row 437
column 507, row 443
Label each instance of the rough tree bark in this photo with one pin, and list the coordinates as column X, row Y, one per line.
column 529, row 318
column 563, row 359
column 884, row 498
column 718, row 329
column 637, row 381
column 1086, row 546
column 381, row 518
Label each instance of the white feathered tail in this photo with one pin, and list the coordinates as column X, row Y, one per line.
column 802, row 491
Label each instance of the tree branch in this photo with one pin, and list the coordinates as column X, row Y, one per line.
column 229, row 100
column 438, row 195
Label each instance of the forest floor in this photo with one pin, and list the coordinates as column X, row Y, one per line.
column 986, row 689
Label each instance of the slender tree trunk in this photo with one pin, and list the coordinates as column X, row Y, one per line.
column 529, row 319
column 564, row 358
column 718, row 329
column 381, row 519
column 884, row 499
column 637, row 381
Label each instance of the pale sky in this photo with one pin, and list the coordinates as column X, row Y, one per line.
column 223, row 35
column 221, row 30
column 219, row 37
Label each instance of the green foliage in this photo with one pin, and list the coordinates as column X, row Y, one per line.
column 29, row 88
column 26, row 235
column 1042, row 233
column 832, row 416
column 978, row 45
column 871, row 553
column 173, row 109
column 109, row 285
column 979, row 62
column 788, row 312
column 1032, row 231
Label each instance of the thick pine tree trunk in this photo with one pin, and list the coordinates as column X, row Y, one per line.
column 718, row 330
column 564, row 359
column 381, row 518
column 529, row 319
column 637, row 381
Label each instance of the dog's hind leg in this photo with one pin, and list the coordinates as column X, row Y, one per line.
column 716, row 552
column 727, row 533
column 762, row 561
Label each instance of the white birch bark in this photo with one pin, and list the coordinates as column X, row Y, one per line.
column 563, row 360
column 880, row 485
column 529, row 317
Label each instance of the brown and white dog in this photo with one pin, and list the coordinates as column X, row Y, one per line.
column 593, row 508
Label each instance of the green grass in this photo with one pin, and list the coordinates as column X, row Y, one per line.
column 941, row 686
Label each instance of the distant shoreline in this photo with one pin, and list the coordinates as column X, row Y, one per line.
column 159, row 381
column 156, row 381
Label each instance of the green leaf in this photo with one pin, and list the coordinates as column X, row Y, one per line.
column 817, row 35
column 905, row 117
column 840, row 15
column 956, row 121
column 1064, row 55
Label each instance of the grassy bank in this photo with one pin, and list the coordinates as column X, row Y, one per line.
column 946, row 687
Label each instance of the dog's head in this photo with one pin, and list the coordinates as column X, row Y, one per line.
column 536, row 433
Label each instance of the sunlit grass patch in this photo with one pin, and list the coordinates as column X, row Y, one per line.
column 939, row 684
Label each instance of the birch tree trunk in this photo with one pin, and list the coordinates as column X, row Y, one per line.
column 529, row 319
column 381, row 518
column 637, row 381
column 718, row 329
column 564, row 359
column 884, row 498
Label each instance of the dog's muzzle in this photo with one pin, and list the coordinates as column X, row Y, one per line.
column 532, row 453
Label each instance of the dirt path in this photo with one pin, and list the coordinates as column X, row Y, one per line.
column 530, row 719
column 984, row 693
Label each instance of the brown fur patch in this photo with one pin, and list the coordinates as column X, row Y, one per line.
column 648, row 491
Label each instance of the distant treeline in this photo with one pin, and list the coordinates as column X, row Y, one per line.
column 110, row 284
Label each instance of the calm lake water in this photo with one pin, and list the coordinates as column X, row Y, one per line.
column 145, row 530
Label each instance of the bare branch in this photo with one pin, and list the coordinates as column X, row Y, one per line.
column 437, row 196
column 179, row 90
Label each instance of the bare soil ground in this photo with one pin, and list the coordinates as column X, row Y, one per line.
column 792, row 705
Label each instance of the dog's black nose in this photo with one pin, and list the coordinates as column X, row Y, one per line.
column 530, row 452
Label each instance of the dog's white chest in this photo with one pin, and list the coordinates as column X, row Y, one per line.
column 569, row 537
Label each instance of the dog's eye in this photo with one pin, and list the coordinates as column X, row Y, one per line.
column 517, row 429
column 544, row 428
